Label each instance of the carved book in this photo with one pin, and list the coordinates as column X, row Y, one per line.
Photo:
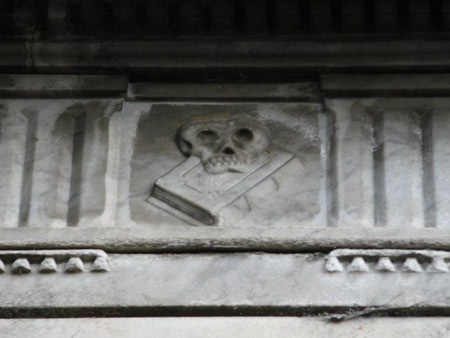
column 210, row 198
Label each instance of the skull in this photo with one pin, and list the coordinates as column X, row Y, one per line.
column 224, row 143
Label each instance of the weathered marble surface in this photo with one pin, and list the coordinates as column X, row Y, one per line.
column 56, row 160
column 93, row 162
column 367, row 173
column 366, row 166
column 289, row 197
column 225, row 327
column 200, row 239
column 391, row 162
column 233, row 282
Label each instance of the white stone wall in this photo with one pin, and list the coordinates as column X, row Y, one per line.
column 369, row 166
column 358, row 166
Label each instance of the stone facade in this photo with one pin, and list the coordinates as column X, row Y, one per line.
column 194, row 327
column 323, row 198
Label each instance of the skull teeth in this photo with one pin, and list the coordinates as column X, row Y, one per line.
column 222, row 163
column 228, row 159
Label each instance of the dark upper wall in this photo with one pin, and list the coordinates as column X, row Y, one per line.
column 137, row 18
column 219, row 40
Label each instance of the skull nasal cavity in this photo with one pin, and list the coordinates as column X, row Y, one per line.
column 228, row 151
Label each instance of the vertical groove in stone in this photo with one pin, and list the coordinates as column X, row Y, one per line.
column 379, row 169
column 93, row 193
column 429, row 198
column 27, row 174
column 12, row 147
column 57, row 183
column 3, row 116
column 439, row 133
column 95, row 166
column 73, row 214
column 354, row 163
column 52, row 168
column 129, row 125
column 403, row 166
column 331, row 155
column 112, row 170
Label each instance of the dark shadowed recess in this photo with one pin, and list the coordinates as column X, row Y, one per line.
column 232, row 18
column 223, row 40
column 331, row 314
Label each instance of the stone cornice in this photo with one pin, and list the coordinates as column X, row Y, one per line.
column 267, row 57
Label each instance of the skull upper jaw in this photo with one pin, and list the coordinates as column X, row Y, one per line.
column 220, row 164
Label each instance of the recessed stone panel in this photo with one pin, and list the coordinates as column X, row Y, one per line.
column 282, row 185
column 55, row 157
column 390, row 162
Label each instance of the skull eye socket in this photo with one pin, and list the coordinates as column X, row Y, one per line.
column 207, row 136
column 243, row 135
column 185, row 146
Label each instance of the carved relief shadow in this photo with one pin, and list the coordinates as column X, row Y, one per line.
column 227, row 157
column 227, row 168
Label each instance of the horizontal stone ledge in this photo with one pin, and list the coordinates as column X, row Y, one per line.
column 215, row 284
column 43, row 86
column 224, row 327
column 120, row 56
column 299, row 91
column 386, row 85
column 213, row 239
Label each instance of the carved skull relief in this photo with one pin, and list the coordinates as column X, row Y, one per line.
column 224, row 143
